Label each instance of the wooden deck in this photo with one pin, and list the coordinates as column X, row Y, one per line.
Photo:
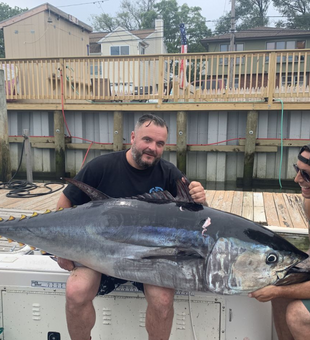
column 269, row 209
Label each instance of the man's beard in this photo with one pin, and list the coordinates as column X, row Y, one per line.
column 137, row 157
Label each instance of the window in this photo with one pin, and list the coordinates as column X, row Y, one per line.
column 226, row 47
column 292, row 80
column 286, row 45
column 119, row 50
column 96, row 70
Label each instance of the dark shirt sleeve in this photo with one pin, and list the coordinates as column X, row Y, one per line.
column 86, row 175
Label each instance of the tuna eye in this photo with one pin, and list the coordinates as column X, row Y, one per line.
column 271, row 258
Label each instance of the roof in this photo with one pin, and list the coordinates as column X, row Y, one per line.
column 42, row 8
column 95, row 37
column 259, row 33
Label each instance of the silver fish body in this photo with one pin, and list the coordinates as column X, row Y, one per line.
column 167, row 244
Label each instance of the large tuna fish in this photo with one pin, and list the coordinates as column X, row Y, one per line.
column 161, row 240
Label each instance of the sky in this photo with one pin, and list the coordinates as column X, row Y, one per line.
column 84, row 9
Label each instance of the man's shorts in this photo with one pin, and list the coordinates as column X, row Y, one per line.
column 109, row 283
column 307, row 304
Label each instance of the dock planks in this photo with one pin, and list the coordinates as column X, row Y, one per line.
column 268, row 208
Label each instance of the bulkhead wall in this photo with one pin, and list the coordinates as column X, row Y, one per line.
column 203, row 128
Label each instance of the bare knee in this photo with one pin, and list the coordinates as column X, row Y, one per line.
column 82, row 287
column 297, row 316
column 159, row 299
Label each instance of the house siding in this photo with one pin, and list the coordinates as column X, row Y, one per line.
column 36, row 37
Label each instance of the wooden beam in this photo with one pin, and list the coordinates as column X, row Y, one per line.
column 28, row 155
column 181, row 140
column 277, row 142
column 249, row 152
column 260, row 105
column 169, row 147
column 118, row 131
column 229, row 148
column 60, row 146
column 5, row 159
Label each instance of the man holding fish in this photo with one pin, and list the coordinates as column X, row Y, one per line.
column 141, row 169
column 291, row 304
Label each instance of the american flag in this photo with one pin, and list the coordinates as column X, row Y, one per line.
column 183, row 50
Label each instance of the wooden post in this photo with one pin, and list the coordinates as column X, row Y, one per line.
column 181, row 140
column 28, row 156
column 272, row 70
column 5, row 160
column 249, row 149
column 118, row 131
column 161, row 80
column 60, row 146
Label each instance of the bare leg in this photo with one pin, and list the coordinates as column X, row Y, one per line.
column 279, row 307
column 298, row 320
column 82, row 287
column 159, row 313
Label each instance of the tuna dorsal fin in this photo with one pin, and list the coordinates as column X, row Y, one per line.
column 183, row 198
column 183, row 194
column 92, row 193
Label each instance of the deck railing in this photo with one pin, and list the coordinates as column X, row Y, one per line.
column 239, row 76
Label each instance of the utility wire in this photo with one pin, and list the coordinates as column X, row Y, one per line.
column 83, row 3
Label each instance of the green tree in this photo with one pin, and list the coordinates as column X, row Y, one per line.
column 248, row 14
column 7, row 12
column 296, row 11
column 141, row 14
column 134, row 15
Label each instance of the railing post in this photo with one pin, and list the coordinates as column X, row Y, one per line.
column 272, row 69
column 118, row 131
column 60, row 146
column 161, row 79
column 5, row 160
column 249, row 149
column 181, row 140
column 63, row 79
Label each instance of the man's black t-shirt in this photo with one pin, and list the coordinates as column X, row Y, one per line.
column 114, row 176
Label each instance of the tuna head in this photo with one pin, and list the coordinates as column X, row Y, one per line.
column 238, row 266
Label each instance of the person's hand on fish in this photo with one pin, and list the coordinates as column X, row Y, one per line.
column 265, row 294
column 197, row 192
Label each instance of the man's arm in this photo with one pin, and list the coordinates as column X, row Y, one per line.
column 296, row 291
column 306, row 206
column 64, row 202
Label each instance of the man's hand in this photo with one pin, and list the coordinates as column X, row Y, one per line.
column 265, row 294
column 197, row 192
column 65, row 264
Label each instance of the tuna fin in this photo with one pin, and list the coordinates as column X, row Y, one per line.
column 92, row 193
column 183, row 194
column 183, row 199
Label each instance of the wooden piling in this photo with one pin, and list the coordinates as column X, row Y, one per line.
column 249, row 151
column 118, row 131
column 181, row 140
column 28, row 155
column 5, row 159
column 60, row 147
